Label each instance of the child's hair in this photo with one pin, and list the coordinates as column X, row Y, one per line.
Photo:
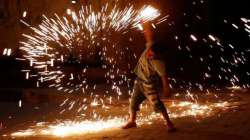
column 158, row 48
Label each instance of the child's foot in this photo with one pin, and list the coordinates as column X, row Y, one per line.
column 171, row 128
column 129, row 125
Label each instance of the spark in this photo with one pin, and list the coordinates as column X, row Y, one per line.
column 7, row 51
column 94, row 103
column 24, row 14
column 73, row 128
column 212, row 37
column 68, row 11
column 235, row 26
column 140, row 27
column 20, row 103
column 193, row 38
column 68, row 33
column 235, row 88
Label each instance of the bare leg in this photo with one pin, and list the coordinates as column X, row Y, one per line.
column 170, row 125
column 132, row 121
column 137, row 98
column 132, row 117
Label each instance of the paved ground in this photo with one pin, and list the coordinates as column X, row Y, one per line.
column 230, row 124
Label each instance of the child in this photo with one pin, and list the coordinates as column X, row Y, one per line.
column 149, row 68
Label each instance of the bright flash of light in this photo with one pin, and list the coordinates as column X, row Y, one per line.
column 148, row 13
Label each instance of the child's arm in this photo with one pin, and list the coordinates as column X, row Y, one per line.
column 160, row 68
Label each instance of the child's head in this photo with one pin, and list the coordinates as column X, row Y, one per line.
column 158, row 48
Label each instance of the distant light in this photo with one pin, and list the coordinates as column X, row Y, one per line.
column 9, row 52
column 24, row 14
column 5, row 51
column 73, row 1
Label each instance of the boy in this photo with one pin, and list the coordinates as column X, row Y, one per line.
column 149, row 68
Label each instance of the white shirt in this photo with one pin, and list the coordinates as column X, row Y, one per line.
column 148, row 69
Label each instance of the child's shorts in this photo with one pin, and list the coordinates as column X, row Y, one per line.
column 143, row 91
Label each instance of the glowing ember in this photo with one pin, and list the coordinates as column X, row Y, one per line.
column 28, row 132
column 72, row 128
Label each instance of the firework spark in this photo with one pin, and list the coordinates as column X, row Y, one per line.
column 61, row 40
column 73, row 128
